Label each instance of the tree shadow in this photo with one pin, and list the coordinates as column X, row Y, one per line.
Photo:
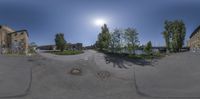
column 121, row 60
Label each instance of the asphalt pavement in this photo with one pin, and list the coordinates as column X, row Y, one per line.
column 15, row 76
column 176, row 76
column 47, row 76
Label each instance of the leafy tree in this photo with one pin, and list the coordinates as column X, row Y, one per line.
column 104, row 38
column 167, row 40
column 60, row 41
column 112, row 43
column 33, row 44
column 97, row 44
column 131, row 38
column 115, row 43
column 148, row 48
column 179, row 36
column 174, row 35
column 32, row 47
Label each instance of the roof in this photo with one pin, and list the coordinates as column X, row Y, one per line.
column 5, row 27
column 20, row 31
column 195, row 31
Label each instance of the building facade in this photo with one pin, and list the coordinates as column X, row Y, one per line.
column 77, row 46
column 194, row 42
column 47, row 47
column 69, row 46
column 12, row 41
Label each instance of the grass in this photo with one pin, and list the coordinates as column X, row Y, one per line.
column 141, row 56
column 67, row 52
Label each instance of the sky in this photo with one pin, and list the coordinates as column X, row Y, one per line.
column 75, row 18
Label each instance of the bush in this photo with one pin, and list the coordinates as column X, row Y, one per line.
column 135, row 56
column 67, row 52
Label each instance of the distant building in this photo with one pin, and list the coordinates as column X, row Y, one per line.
column 194, row 42
column 69, row 46
column 90, row 47
column 13, row 41
column 47, row 47
column 77, row 46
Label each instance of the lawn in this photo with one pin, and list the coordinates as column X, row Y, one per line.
column 67, row 52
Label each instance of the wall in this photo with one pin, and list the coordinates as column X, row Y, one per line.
column 194, row 42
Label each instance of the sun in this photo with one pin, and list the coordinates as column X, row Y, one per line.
column 100, row 22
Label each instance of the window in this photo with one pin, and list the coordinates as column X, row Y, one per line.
column 22, row 40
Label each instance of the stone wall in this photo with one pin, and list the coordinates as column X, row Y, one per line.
column 194, row 42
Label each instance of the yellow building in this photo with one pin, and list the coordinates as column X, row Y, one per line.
column 194, row 42
column 13, row 41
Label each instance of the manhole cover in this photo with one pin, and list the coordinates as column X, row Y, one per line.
column 76, row 71
column 103, row 74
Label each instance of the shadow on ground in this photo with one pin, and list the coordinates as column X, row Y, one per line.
column 119, row 60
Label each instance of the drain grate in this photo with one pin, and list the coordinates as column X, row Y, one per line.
column 103, row 74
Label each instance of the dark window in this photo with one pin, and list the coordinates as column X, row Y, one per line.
column 15, row 34
column 22, row 33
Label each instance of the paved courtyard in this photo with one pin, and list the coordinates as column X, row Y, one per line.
column 175, row 76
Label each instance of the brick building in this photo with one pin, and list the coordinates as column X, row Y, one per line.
column 12, row 41
column 194, row 42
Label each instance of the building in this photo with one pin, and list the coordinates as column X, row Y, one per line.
column 90, row 47
column 47, row 47
column 77, row 46
column 194, row 42
column 12, row 41
column 69, row 46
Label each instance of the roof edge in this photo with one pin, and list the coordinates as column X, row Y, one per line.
column 195, row 31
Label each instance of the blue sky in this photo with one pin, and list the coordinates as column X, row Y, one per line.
column 75, row 18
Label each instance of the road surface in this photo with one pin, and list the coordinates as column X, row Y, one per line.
column 51, row 77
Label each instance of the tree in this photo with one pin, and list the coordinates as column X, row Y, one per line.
column 131, row 38
column 104, row 38
column 180, row 34
column 174, row 35
column 115, row 39
column 60, row 41
column 166, row 35
column 148, row 48
column 112, row 42
column 33, row 44
column 32, row 47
